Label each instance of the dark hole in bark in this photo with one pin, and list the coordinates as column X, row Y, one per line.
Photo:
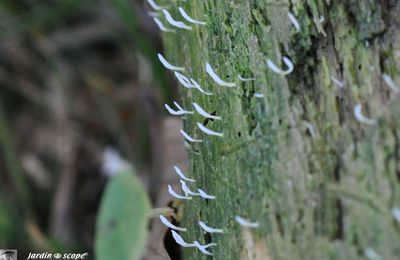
column 205, row 122
column 173, row 249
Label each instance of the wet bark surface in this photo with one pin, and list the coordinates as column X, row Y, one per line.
column 322, row 184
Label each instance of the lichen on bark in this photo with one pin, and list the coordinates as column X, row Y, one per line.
column 321, row 184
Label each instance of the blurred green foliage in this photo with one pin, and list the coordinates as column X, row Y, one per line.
column 123, row 219
column 24, row 24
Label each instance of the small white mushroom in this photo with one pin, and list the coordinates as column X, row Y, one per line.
column 204, row 195
column 277, row 70
column 199, row 88
column 178, row 112
column 182, row 175
column 179, row 240
column 216, row 78
column 245, row 223
column 203, row 248
column 202, row 112
column 311, row 128
column 190, row 19
column 154, row 5
column 187, row 190
column 166, row 222
column 178, row 106
column 337, row 82
column 245, row 79
column 210, row 229
column 189, row 138
column 258, row 95
column 175, row 23
column 294, row 21
column 208, row 131
column 361, row 118
column 168, row 65
column 183, row 80
column 389, row 81
column 161, row 25
column 176, row 195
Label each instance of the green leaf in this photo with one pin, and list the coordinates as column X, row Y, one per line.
column 123, row 219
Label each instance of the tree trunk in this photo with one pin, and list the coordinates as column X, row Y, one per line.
column 322, row 183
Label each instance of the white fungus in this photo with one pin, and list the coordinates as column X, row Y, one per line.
column 178, row 112
column 183, row 80
column 182, row 175
column 245, row 79
column 168, row 65
column 190, row 19
column 179, row 240
column 258, row 95
column 154, row 5
column 277, row 70
column 311, row 129
column 166, row 222
column 202, row 112
column 396, row 213
column 189, row 138
column 176, row 195
column 361, row 118
column 337, row 82
column 187, row 190
column 210, row 229
column 199, row 88
column 175, row 23
column 294, row 21
column 178, row 106
column 216, row 78
column 161, row 25
column 203, row 248
column 245, row 223
column 391, row 84
column 208, row 131
column 204, row 195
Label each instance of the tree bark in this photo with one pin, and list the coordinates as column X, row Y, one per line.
column 321, row 183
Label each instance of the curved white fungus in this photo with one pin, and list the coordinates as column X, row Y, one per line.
column 202, row 112
column 277, row 70
column 208, row 131
column 166, row 222
column 167, row 64
column 204, row 195
column 175, row 23
column 182, row 175
column 216, row 78
column 361, row 118
column 190, row 19
column 189, row 138
column 210, row 229
column 176, row 195
column 246, row 223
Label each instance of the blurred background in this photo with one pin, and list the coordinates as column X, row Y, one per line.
column 78, row 80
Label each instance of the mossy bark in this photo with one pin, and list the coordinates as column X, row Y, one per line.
column 321, row 183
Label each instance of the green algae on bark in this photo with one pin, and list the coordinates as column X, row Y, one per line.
column 321, row 184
